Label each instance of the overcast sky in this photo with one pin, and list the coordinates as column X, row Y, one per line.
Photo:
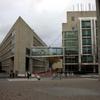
column 45, row 17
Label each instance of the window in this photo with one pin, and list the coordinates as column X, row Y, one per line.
column 86, row 24
column 71, row 34
column 53, row 51
column 73, row 59
column 86, row 32
column 86, row 41
column 27, row 51
column 59, row 51
column 71, row 52
column 71, row 43
column 87, row 50
column 87, row 59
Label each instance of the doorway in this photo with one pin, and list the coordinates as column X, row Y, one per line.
column 27, row 64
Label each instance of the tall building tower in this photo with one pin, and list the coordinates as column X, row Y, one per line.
column 79, row 42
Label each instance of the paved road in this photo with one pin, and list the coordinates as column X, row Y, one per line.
column 47, row 89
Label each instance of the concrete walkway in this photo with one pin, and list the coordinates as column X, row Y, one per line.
column 47, row 89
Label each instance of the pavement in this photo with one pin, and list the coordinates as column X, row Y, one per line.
column 4, row 75
column 21, row 79
column 48, row 89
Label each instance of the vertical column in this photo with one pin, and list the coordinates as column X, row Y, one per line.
column 80, row 43
column 93, row 43
column 63, row 51
column 11, row 65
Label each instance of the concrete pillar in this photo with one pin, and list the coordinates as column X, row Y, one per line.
column 94, row 69
column 63, row 53
column 11, row 64
column 79, row 59
column 79, row 67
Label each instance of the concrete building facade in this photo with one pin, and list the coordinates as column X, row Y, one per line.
column 15, row 49
column 98, row 30
column 80, row 42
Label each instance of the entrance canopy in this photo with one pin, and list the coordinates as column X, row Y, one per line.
column 46, row 52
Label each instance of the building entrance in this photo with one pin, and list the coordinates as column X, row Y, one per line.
column 27, row 64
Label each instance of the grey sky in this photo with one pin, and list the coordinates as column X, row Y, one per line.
column 45, row 17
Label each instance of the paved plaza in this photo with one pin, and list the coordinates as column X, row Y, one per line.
column 47, row 89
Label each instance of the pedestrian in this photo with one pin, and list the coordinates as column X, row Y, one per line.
column 28, row 74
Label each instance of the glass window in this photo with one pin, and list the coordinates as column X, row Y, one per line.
column 27, row 51
column 53, row 51
column 59, row 51
column 39, row 51
column 70, row 34
column 70, row 43
column 71, row 52
column 73, row 59
column 86, row 24
column 86, row 32
column 86, row 41
column 87, row 59
column 87, row 50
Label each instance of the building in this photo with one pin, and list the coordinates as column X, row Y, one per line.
column 98, row 31
column 15, row 50
column 79, row 40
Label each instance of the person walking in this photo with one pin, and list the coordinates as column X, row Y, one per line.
column 28, row 74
